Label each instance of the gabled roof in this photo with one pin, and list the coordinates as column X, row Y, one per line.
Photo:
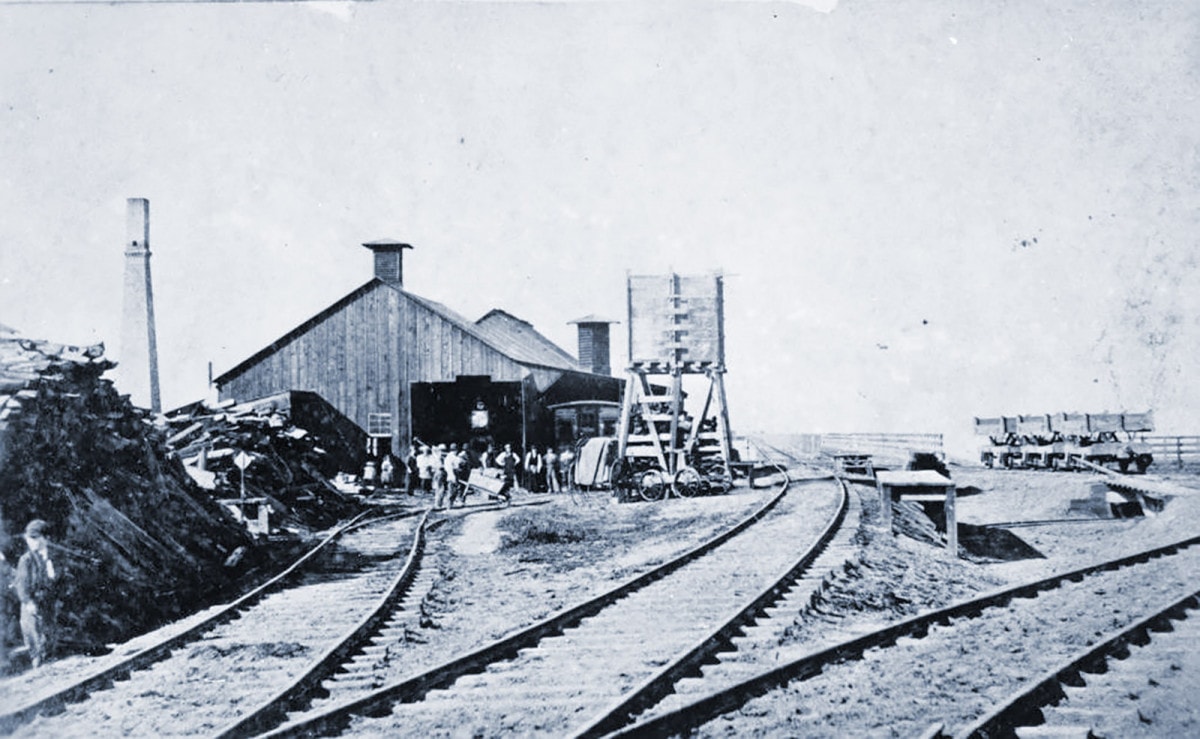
column 507, row 334
column 525, row 346
column 517, row 337
column 295, row 333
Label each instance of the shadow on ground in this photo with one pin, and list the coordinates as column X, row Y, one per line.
column 991, row 544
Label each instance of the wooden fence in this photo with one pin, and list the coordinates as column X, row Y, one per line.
column 895, row 448
column 1177, row 450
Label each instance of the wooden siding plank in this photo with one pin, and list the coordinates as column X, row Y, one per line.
column 364, row 357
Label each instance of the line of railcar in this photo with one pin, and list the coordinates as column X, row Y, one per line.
column 1061, row 441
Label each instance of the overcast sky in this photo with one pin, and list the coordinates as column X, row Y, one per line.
column 925, row 211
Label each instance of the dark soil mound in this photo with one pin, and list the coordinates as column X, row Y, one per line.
column 136, row 543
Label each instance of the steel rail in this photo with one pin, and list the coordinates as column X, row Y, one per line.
column 104, row 676
column 380, row 701
column 1018, row 708
column 1052, row 522
column 759, row 444
column 688, row 662
column 701, row 711
column 274, row 711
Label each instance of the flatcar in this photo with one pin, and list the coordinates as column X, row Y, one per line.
column 1063, row 441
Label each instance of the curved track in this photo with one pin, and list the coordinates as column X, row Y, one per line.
column 748, row 638
column 246, row 646
column 592, row 665
column 964, row 652
column 1133, row 683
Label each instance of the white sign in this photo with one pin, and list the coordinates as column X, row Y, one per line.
column 243, row 460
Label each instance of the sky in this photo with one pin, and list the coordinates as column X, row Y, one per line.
column 923, row 211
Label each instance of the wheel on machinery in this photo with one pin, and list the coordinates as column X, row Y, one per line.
column 616, row 475
column 688, row 483
column 652, row 485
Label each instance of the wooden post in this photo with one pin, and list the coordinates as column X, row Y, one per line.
column 676, row 409
column 724, row 432
column 951, row 523
column 631, row 389
column 524, row 431
column 885, row 505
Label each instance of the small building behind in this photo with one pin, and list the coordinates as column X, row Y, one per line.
column 584, row 419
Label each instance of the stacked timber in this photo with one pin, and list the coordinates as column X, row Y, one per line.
column 288, row 467
column 135, row 541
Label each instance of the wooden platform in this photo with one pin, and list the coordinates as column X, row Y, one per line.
column 919, row 485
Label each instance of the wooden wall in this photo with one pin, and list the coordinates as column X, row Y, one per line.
column 364, row 356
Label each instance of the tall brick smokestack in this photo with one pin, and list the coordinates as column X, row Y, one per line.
column 137, row 369
column 594, row 344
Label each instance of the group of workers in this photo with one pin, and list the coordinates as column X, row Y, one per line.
column 33, row 583
column 442, row 470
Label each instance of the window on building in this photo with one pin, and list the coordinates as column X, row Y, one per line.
column 379, row 424
column 588, row 425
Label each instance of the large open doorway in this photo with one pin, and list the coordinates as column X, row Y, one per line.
column 472, row 410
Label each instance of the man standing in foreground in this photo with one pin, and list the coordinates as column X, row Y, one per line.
column 35, row 588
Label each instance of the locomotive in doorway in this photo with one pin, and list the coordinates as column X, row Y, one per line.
column 676, row 342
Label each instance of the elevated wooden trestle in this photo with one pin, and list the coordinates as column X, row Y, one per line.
column 676, row 329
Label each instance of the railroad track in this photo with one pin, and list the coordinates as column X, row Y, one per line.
column 795, row 463
column 593, row 665
column 1134, row 682
column 264, row 635
column 958, row 661
column 352, row 665
column 747, row 641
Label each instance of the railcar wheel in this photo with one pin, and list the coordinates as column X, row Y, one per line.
column 688, row 483
column 652, row 485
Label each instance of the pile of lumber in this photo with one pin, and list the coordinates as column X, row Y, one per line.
column 287, row 466
column 137, row 543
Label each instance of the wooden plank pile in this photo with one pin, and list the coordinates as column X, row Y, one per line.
column 136, row 542
column 290, row 467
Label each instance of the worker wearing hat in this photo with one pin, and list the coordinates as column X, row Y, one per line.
column 35, row 587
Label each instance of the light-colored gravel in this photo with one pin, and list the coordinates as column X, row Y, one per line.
column 496, row 576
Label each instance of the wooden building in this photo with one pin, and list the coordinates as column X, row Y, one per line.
column 402, row 367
